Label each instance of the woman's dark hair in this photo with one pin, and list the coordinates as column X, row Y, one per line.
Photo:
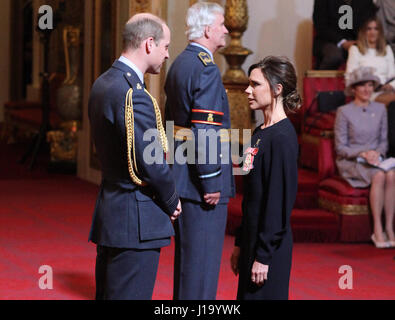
column 279, row 70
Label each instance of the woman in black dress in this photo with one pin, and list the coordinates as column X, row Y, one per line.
column 263, row 250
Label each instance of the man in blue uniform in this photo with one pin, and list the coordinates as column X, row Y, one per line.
column 196, row 99
column 137, row 201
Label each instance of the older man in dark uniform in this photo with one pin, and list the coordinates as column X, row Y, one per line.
column 137, row 201
column 196, row 99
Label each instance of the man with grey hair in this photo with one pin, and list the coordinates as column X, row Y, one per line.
column 137, row 202
column 196, row 99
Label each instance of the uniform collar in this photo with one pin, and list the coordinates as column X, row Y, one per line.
column 132, row 66
column 129, row 74
column 195, row 44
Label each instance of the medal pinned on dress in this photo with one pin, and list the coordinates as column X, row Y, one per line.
column 250, row 155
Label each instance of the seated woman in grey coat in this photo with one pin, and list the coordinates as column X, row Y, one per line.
column 361, row 142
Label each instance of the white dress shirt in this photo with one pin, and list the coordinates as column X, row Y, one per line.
column 131, row 65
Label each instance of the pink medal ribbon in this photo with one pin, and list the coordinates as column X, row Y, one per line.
column 249, row 160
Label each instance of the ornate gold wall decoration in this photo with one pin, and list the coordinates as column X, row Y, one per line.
column 69, row 95
column 235, row 79
column 71, row 39
column 236, row 21
column 139, row 6
column 63, row 142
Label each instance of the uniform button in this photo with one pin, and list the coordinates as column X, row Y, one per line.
column 129, row 74
column 220, row 155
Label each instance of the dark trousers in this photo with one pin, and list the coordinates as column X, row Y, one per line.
column 200, row 233
column 125, row 274
column 331, row 57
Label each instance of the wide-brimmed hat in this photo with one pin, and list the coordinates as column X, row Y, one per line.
column 362, row 74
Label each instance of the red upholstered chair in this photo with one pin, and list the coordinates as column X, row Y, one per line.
column 314, row 125
column 337, row 196
column 24, row 117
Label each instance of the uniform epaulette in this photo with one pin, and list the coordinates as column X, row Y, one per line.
column 206, row 59
column 136, row 86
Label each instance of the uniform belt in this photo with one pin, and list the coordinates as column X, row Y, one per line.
column 186, row 134
column 120, row 183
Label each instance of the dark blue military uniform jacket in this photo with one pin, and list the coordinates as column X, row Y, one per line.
column 127, row 215
column 196, row 99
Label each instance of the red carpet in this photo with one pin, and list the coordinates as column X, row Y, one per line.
column 46, row 221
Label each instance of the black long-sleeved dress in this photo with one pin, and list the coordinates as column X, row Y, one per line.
column 269, row 194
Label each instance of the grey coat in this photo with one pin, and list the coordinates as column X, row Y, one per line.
column 359, row 129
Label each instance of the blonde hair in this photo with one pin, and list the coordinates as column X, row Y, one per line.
column 362, row 42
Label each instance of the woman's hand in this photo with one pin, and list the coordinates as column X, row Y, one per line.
column 372, row 157
column 259, row 273
column 234, row 260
